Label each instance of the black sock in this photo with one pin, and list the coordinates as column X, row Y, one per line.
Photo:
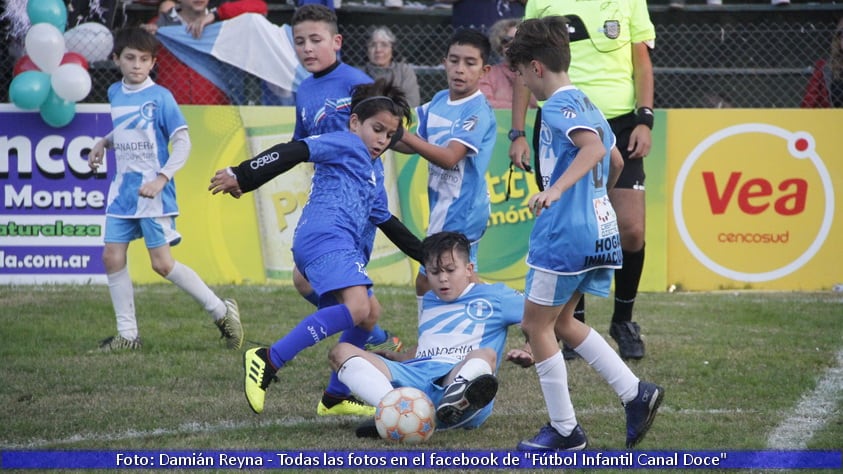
column 626, row 285
column 330, row 400
column 579, row 311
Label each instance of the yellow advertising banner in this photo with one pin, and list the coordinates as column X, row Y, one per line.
column 752, row 199
column 220, row 237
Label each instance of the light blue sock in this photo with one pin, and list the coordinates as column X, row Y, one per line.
column 356, row 336
column 312, row 329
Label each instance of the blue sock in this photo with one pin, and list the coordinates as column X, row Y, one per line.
column 312, row 329
column 377, row 336
column 313, row 298
column 356, row 336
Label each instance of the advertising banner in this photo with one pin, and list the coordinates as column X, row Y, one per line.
column 53, row 217
column 753, row 201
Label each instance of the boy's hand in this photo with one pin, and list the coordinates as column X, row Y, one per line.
column 520, row 357
column 198, row 26
column 96, row 155
column 543, row 200
column 150, row 189
column 224, row 181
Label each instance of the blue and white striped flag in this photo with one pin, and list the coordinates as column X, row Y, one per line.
column 247, row 43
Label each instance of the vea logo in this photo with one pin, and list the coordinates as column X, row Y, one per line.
column 754, row 202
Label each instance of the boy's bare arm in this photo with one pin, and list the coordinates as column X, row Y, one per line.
column 445, row 157
column 615, row 168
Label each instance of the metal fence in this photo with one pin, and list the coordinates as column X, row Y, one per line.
column 710, row 64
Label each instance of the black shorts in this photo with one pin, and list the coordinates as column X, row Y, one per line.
column 632, row 176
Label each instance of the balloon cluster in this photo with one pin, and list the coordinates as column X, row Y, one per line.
column 48, row 78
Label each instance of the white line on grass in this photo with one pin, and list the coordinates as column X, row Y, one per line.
column 184, row 429
column 812, row 411
column 198, row 428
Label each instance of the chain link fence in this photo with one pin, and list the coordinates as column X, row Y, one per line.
column 697, row 65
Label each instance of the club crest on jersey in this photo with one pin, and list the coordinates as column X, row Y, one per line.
column 612, row 29
column 470, row 123
column 569, row 113
column 479, row 309
column 147, row 110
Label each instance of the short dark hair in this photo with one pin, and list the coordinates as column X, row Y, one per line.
column 544, row 40
column 433, row 246
column 315, row 12
column 137, row 38
column 369, row 99
column 472, row 37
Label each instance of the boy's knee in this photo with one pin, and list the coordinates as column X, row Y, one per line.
column 162, row 268
column 488, row 355
column 339, row 354
column 360, row 310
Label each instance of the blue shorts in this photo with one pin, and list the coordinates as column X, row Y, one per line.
column 472, row 257
column 156, row 231
column 336, row 270
column 424, row 374
column 551, row 289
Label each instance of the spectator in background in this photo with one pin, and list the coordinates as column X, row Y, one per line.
column 482, row 14
column 825, row 88
column 497, row 84
column 383, row 62
column 187, row 85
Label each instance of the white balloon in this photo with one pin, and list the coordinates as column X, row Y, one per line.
column 45, row 46
column 92, row 40
column 71, row 82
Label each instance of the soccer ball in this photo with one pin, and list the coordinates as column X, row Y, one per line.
column 405, row 415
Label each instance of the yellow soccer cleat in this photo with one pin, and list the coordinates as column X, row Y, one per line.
column 259, row 373
column 348, row 407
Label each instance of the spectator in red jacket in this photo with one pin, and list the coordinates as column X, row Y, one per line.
column 188, row 86
column 825, row 88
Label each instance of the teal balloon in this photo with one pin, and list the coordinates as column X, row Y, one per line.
column 53, row 12
column 56, row 111
column 30, row 89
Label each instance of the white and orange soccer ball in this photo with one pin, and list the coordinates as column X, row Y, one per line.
column 405, row 415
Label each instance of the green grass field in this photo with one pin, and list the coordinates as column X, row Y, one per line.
column 734, row 365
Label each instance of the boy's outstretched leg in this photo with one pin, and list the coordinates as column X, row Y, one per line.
column 261, row 364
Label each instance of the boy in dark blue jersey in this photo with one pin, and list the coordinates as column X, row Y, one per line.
column 327, row 244
column 323, row 104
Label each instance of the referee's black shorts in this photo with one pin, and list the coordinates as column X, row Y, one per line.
column 632, row 176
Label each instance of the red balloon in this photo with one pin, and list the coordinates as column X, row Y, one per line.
column 24, row 64
column 74, row 58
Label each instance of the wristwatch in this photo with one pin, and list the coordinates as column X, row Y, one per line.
column 514, row 134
